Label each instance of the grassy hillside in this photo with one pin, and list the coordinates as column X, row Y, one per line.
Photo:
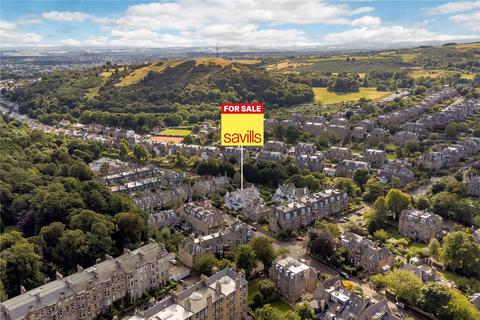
column 464, row 57
column 155, row 87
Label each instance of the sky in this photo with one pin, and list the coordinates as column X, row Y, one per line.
column 239, row 23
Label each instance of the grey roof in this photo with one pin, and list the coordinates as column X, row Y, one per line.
column 48, row 294
column 38, row 298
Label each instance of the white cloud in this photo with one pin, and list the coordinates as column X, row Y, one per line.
column 5, row 25
column 70, row 42
column 73, row 16
column 203, row 23
column 10, row 37
column 468, row 20
column 390, row 34
column 185, row 14
column 29, row 19
column 367, row 21
column 65, row 16
column 454, row 7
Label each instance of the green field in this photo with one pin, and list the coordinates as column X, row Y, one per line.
column 438, row 74
column 176, row 132
column 322, row 95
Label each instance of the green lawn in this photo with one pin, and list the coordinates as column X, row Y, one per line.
column 322, row 95
column 280, row 305
column 176, row 132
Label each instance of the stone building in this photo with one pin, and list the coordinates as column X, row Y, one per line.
column 473, row 184
column 375, row 157
column 346, row 168
column 293, row 278
column 202, row 216
column 277, row 146
column 419, row 225
column 302, row 212
column 366, row 254
column 92, row 291
column 191, row 248
column 222, row 296
column 338, row 153
column 312, row 162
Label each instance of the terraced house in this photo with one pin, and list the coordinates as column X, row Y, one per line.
column 303, row 211
column 222, row 296
column 90, row 292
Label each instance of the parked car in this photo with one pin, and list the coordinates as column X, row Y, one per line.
column 400, row 304
column 300, row 238
column 345, row 275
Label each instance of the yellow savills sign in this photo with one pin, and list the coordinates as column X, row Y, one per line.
column 242, row 124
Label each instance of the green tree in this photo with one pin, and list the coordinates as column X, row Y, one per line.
column 131, row 227
column 434, row 247
column 205, row 264
column 373, row 189
column 267, row 312
column 460, row 308
column 376, row 218
column 22, row 268
column 267, row 288
column 460, row 252
column 81, row 171
column 263, row 248
column 397, row 201
column 246, row 259
column 257, row 300
column 305, row 311
column 140, row 152
column 381, row 235
column 404, row 285
column 361, row 177
column 422, row 203
column 72, row 249
column 435, row 298
column 321, row 243
column 124, row 149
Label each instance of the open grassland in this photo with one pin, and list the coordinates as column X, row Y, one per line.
column 93, row 92
column 438, row 74
column 246, row 61
column 322, row 95
column 139, row 74
column 409, row 57
column 176, row 132
column 217, row 61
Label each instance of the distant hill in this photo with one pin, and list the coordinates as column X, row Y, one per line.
column 460, row 57
column 155, row 87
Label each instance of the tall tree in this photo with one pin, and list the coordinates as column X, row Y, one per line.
column 405, row 285
column 397, row 201
column 23, row 267
column 263, row 248
column 246, row 259
column 460, row 252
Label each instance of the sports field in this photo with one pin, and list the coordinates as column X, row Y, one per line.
column 176, row 132
column 322, row 95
